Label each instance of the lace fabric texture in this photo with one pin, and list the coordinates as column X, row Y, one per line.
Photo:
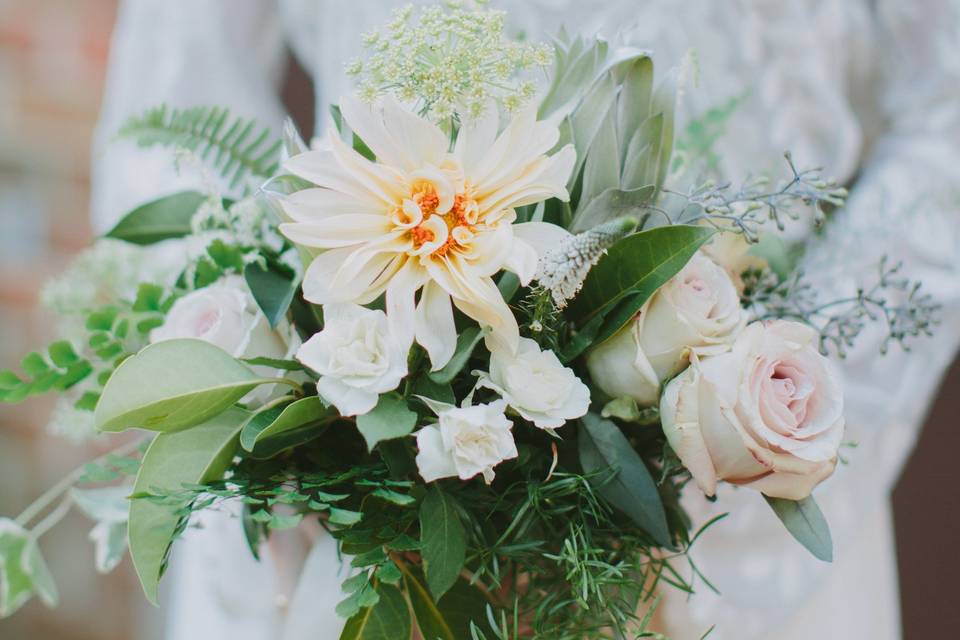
column 868, row 88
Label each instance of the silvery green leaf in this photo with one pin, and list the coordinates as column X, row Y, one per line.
column 23, row 572
column 643, row 154
column 110, row 540
column 664, row 102
column 634, row 101
column 589, row 117
column 805, row 522
column 612, row 204
column 106, row 504
column 293, row 143
column 601, row 168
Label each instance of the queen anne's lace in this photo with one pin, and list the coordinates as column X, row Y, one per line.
column 448, row 60
column 563, row 269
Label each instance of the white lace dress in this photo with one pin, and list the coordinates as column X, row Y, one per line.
column 869, row 88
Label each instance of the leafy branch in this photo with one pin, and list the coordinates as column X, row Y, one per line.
column 753, row 204
column 895, row 301
column 234, row 146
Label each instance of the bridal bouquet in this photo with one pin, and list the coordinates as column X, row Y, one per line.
column 485, row 333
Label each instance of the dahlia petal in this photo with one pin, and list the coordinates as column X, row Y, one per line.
column 434, row 326
column 337, row 231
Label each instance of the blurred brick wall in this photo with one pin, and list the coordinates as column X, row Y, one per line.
column 52, row 62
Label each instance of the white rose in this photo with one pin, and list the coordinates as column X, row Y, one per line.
column 536, row 385
column 226, row 315
column 768, row 414
column 697, row 311
column 357, row 357
column 466, row 441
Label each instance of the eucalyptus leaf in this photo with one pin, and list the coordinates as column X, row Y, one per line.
column 109, row 507
column 388, row 420
column 388, row 619
column 23, row 573
column 162, row 219
column 110, row 544
column 162, row 388
column 601, row 446
column 805, row 522
column 194, row 456
column 273, row 290
column 632, row 271
column 443, row 541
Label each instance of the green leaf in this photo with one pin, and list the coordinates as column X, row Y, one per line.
column 610, row 205
column 388, row 619
column 275, row 363
column 305, row 413
column 193, row 456
column 172, row 385
column 161, row 219
column 443, row 541
column 389, row 573
column 23, row 572
column 466, row 343
column 388, row 420
column 805, row 522
column 450, row 617
column 110, row 542
column 632, row 271
column 273, row 291
column 602, row 445
column 344, row 517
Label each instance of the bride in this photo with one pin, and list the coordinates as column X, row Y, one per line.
column 868, row 87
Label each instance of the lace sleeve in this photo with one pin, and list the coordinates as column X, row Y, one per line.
column 905, row 205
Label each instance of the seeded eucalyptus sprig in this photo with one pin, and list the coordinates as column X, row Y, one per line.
column 745, row 210
column 892, row 300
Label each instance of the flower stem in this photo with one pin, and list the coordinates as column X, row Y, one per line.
column 50, row 495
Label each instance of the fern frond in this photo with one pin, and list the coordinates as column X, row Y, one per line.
column 230, row 144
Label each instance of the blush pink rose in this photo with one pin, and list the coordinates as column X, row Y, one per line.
column 768, row 414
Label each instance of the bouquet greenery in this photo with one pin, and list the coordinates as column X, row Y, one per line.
column 485, row 333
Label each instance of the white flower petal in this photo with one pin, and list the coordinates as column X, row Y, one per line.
column 435, row 329
column 395, row 135
column 337, row 231
column 401, row 292
column 348, row 400
column 433, row 460
column 522, row 261
column 542, row 236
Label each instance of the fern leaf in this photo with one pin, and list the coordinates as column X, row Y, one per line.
column 217, row 137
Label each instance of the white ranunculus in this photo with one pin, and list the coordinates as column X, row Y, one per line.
column 696, row 312
column 357, row 357
column 536, row 385
column 226, row 315
column 466, row 441
column 768, row 414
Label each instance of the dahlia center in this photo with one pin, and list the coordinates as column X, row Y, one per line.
column 437, row 226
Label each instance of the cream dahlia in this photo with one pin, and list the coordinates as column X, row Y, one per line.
column 426, row 217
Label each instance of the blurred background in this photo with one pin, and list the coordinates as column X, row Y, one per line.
column 53, row 56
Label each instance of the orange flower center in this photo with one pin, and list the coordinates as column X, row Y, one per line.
column 460, row 219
